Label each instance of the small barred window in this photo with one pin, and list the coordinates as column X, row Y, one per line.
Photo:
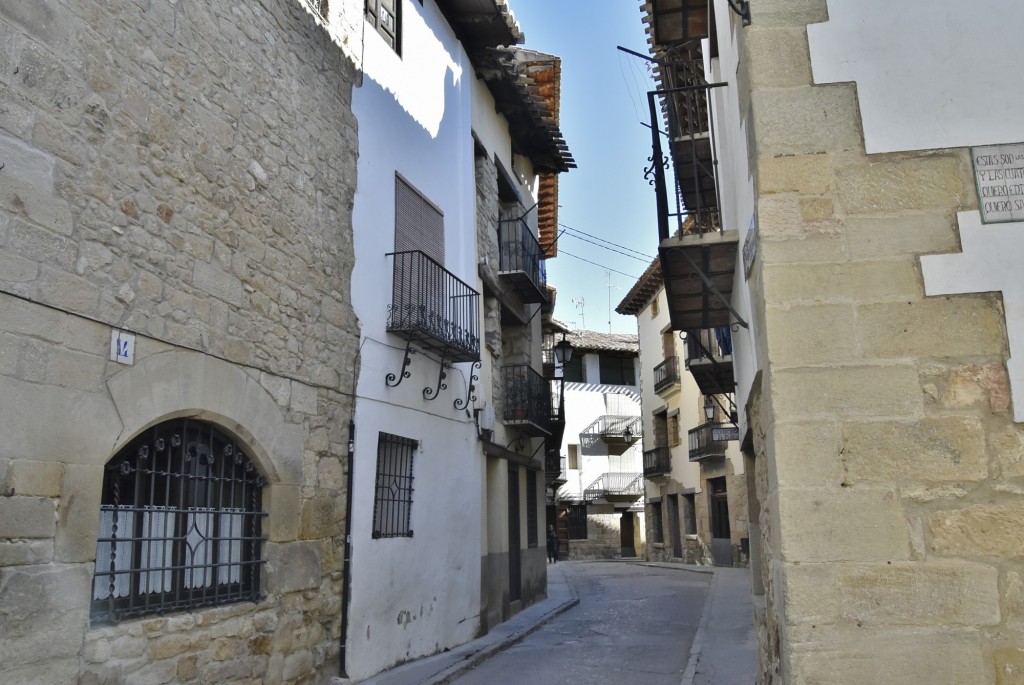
column 180, row 524
column 392, row 501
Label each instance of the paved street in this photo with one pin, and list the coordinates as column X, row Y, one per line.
column 634, row 624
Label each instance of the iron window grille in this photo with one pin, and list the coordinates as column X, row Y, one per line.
column 531, row 508
column 657, row 526
column 180, row 524
column 577, row 515
column 392, row 503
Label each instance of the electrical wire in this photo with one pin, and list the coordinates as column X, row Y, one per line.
column 606, row 268
column 645, row 260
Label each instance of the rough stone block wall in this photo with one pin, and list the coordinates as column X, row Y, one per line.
column 887, row 459
column 603, row 537
column 184, row 171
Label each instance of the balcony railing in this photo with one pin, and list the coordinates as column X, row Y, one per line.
column 658, row 461
column 616, row 485
column 554, row 469
column 666, row 374
column 710, row 343
column 711, row 440
column 527, row 400
column 432, row 307
column 521, row 260
column 612, row 428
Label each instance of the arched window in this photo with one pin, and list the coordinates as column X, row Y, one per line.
column 180, row 524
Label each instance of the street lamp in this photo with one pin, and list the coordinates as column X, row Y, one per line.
column 563, row 355
column 709, row 408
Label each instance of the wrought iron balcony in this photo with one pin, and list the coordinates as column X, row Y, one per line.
column 666, row 375
column 613, row 430
column 521, row 261
column 657, row 462
column 709, row 359
column 554, row 470
column 527, row 400
column 616, row 486
column 433, row 308
column 698, row 257
column 711, row 440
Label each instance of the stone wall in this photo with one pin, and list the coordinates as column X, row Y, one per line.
column 887, row 460
column 183, row 171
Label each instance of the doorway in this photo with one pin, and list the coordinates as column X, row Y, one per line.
column 673, row 526
column 626, row 532
column 514, row 565
column 718, row 507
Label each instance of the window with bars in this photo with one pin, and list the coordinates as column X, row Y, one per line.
column 385, row 16
column 180, row 524
column 392, row 501
column 577, row 521
column 531, row 508
column 657, row 525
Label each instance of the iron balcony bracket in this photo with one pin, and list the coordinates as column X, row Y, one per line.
column 432, row 393
column 742, row 9
column 711, row 286
column 460, row 403
column 393, row 380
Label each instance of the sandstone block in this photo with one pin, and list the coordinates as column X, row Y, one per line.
column 920, row 593
column 214, row 280
column 803, row 248
column 45, row 611
column 849, row 525
column 859, row 282
column 807, row 335
column 807, row 454
column 849, row 655
column 981, row 530
column 166, row 646
column 304, row 398
column 17, row 269
column 292, row 566
column 27, row 517
column 947, row 448
column 884, row 391
column 69, row 291
column 811, row 592
column 782, row 56
column 38, row 204
column 40, row 245
column 806, row 120
column 1008, row 448
column 900, row 234
column 795, row 13
column 1009, row 665
column 934, row 327
column 803, row 174
column 930, row 183
column 321, row 516
column 35, row 478
column 26, row 552
column 282, row 503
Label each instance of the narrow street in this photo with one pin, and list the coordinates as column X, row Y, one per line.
column 634, row 624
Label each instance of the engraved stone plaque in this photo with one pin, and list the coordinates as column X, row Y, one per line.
column 999, row 173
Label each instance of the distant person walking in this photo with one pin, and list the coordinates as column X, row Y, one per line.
column 553, row 545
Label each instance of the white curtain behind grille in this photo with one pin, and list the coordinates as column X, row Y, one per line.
column 122, row 548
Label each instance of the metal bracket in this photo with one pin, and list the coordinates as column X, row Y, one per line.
column 461, row 404
column 432, row 393
column 741, row 8
column 393, row 380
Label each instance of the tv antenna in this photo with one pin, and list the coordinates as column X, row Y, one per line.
column 578, row 302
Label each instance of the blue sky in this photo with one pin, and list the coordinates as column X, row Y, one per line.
column 603, row 105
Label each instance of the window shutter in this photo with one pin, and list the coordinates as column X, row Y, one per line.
column 419, row 225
